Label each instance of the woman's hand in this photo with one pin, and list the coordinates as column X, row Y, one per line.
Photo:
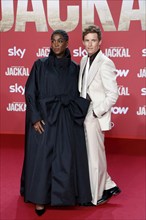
column 38, row 126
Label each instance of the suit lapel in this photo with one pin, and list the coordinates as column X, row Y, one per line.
column 82, row 66
column 94, row 67
column 92, row 71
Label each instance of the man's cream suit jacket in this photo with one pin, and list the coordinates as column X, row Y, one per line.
column 101, row 87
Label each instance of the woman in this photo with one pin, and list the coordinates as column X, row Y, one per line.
column 55, row 169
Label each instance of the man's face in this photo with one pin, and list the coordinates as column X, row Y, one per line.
column 91, row 43
column 58, row 45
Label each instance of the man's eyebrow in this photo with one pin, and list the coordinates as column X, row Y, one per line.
column 91, row 39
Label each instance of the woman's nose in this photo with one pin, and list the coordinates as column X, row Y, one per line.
column 55, row 43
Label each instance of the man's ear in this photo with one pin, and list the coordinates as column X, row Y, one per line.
column 100, row 42
column 66, row 44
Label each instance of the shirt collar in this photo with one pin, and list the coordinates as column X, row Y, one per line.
column 93, row 56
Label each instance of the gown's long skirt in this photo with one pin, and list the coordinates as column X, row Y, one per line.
column 55, row 169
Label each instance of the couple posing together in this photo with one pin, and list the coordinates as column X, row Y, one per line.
column 68, row 111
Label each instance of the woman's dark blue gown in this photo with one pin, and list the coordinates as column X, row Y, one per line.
column 55, row 169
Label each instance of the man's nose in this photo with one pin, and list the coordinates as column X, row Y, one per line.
column 90, row 43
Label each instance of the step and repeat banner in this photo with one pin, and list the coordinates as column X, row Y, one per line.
column 25, row 30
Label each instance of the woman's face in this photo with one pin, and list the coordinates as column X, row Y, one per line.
column 58, row 45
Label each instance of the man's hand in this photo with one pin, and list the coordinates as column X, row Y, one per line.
column 38, row 126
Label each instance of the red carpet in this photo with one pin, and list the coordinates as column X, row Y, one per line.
column 126, row 165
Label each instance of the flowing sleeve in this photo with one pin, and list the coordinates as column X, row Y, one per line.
column 32, row 93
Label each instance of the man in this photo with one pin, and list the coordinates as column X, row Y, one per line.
column 55, row 169
column 97, row 82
